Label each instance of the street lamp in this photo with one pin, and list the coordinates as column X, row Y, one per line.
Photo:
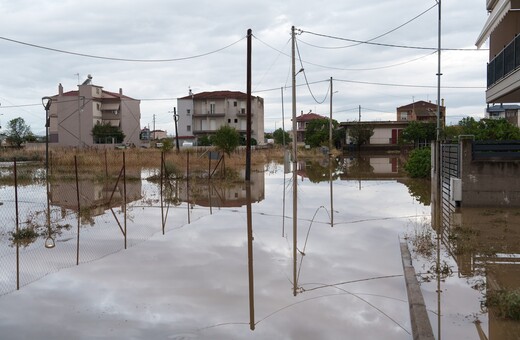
column 46, row 102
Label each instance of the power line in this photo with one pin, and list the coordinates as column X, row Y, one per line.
column 389, row 45
column 306, row 81
column 347, row 69
column 377, row 37
column 120, row 59
column 408, row 85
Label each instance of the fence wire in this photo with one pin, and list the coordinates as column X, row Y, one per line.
column 88, row 206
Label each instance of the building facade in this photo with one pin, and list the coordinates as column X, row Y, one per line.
column 301, row 124
column 421, row 111
column 73, row 114
column 503, row 70
column 507, row 112
column 385, row 133
column 202, row 114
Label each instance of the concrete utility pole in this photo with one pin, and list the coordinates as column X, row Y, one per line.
column 359, row 113
column 153, row 138
column 439, row 74
column 330, row 119
column 175, row 119
column 248, row 108
column 295, row 162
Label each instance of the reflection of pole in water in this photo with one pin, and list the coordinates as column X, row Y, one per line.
column 188, row 183
column 79, row 209
column 17, row 226
column 250, row 259
column 331, row 194
column 295, row 226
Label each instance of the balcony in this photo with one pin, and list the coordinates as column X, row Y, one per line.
column 504, row 63
column 208, row 114
column 503, row 73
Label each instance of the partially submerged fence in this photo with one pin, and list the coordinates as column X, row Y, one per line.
column 88, row 205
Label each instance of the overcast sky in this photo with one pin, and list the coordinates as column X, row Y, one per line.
column 156, row 30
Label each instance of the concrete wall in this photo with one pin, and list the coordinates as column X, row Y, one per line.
column 488, row 183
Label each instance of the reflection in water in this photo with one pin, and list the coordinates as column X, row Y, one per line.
column 485, row 245
column 250, row 258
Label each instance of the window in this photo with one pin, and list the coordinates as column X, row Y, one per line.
column 188, row 128
column 235, row 104
column 236, row 120
column 404, row 116
column 212, row 108
column 188, row 112
column 229, row 120
column 98, row 106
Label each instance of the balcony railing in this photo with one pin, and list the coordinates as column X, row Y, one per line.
column 504, row 63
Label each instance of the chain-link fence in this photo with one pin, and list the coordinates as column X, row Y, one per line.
column 87, row 205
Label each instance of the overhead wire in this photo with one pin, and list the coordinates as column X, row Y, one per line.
column 307, row 81
column 377, row 37
column 389, row 45
column 120, row 59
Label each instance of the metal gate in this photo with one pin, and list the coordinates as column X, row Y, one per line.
column 449, row 168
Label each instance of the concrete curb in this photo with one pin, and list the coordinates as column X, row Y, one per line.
column 421, row 327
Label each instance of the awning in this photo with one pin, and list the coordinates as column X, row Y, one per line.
column 110, row 107
column 494, row 19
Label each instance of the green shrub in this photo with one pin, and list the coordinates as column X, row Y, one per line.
column 506, row 302
column 419, row 163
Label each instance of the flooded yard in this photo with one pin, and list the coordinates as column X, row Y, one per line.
column 203, row 260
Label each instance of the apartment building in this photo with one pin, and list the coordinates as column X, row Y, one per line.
column 503, row 72
column 204, row 113
column 421, row 111
column 73, row 114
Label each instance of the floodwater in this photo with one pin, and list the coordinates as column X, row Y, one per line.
column 226, row 269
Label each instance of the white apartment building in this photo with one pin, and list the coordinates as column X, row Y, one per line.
column 204, row 113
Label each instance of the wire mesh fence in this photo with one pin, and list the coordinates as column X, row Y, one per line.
column 84, row 207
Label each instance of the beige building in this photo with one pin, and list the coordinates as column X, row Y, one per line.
column 421, row 111
column 73, row 114
column 503, row 71
column 204, row 113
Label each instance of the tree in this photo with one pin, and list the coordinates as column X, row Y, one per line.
column 419, row 163
column 360, row 133
column 317, row 132
column 104, row 133
column 488, row 129
column 227, row 139
column 18, row 132
column 204, row 141
column 279, row 136
column 417, row 132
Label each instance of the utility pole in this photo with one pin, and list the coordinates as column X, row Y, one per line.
column 283, row 124
column 153, row 138
column 295, row 162
column 175, row 119
column 359, row 113
column 330, row 119
column 248, row 108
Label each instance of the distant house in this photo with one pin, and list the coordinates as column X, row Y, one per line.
column 73, row 114
column 508, row 112
column 158, row 134
column 503, row 69
column 421, row 111
column 385, row 133
column 301, row 124
column 202, row 114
